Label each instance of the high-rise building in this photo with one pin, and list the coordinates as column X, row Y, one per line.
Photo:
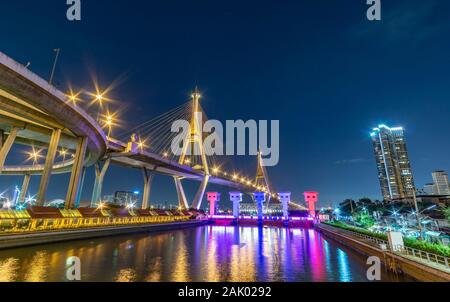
column 440, row 179
column 429, row 189
column 394, row 168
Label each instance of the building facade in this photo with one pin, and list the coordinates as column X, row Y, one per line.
column 441, row 186
column 394, row 167
column 429, row 189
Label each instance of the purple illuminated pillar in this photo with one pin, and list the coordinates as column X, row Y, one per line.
column 213, row 198
column 260, row 198
column 236, row 198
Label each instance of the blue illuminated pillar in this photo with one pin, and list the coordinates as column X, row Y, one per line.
column 260, row 198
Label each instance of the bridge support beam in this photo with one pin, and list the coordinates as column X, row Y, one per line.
column 5, row 147
column 24, row 190
column 182, row 201
column 148, row 179
column 83, row 176
column 98, row 185
column 50, row 159
column 77, row 174
column 197, row 203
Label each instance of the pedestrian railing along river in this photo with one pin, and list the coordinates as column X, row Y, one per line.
column 408, row 251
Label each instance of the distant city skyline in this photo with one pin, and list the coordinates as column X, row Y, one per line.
column 439, row 186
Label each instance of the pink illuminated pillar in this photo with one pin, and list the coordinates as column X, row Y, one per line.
column 311, row 199
column 213, row 198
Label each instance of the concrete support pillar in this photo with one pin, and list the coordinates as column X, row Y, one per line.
column 311, row 199
column 200, row 193
column 50, row 159
column 100, row 173
column 77, row 202
column 182, row 201
column 24, row 190
column 260, row 198
column 2, row 135
column 236, row 198
column 148, row 178
column 77, row 174
column 285, row 199
column 213, row 198
column 6, row 146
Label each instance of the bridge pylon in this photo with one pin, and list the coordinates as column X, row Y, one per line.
column 194, row 146
column 262, row 178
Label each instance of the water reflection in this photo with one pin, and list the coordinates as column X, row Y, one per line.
column 8, row 269
column 202, row 254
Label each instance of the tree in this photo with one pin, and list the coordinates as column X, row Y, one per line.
column 447, row 213
column 364, row 219
column 365, row 202
column 348, row 207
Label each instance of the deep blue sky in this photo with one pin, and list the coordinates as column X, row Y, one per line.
column 318, row 66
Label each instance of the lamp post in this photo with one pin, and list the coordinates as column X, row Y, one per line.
column 99, row 100
column 109, row 121
column 421, row 229
column 419, row 223
column 57, row 50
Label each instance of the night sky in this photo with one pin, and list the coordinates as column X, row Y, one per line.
column 320, row 67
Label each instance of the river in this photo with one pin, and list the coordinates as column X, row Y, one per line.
column 209, row 253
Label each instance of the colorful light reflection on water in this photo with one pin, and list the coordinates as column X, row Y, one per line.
column 211, row 253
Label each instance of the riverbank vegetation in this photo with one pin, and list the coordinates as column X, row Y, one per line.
column 409, row 242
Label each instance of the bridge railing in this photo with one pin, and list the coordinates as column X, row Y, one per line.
column 423, row 255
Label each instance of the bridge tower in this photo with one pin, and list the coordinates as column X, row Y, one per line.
column 194, row 143
column 262, row 178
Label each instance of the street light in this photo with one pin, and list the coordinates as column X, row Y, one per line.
column 73, row 97
column 34, row 155
column 109, row 122
column 63, row 153
column 99, row 98
column 420, row 223
column 100, row 206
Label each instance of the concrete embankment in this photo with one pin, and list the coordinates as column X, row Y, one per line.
column 27, row 239
column 401, row 264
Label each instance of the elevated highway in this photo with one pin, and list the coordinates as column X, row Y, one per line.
column 35, row 113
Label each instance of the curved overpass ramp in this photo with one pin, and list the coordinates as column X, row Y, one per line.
column 33, row 112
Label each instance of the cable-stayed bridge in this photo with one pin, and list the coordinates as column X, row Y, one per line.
column 35, row 113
